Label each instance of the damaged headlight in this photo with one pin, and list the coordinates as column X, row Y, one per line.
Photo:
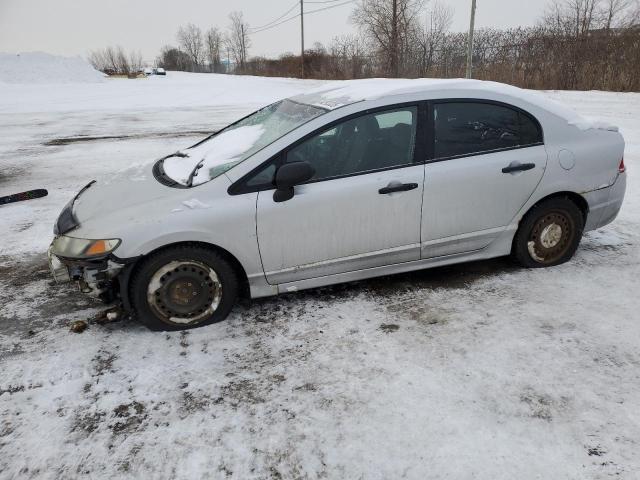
column 70, row 247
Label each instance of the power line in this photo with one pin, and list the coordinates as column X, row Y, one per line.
column 275, row 20
column 330, row 7
column 258, row 30
column 323, row 1
column 275, row 25
column 279, row 21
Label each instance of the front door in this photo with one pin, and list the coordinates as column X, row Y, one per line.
column 360, row 210
column 488, row 160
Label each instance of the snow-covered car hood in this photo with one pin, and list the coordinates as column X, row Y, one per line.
column 124, row 189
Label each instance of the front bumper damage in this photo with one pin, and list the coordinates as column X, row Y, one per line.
column 104, row 276
column 98, row 277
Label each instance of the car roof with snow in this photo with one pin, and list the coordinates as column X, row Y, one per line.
column 337, row 94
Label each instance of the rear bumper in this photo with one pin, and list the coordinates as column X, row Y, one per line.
column 605, row 203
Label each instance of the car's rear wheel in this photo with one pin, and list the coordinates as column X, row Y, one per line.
column 182, row 287
column 549, row 234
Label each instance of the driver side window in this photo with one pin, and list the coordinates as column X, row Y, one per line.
column 369, row 142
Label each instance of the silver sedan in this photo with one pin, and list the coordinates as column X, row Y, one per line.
column 350, row 181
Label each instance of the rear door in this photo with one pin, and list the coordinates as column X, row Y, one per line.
column 487, row 159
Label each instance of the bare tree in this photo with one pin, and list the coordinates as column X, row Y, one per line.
column 114, row 60
column 104, row 60
column 389, row 24
column 122, row 61
column 190, row 40
column 97, row 60
column 213, row 46
column 171, row 58
column 570, row 17
column 135, row 61
column 633, row 16
column 620, row 13
column 111, row 58
column 431, row 38
column 535, row 57
column 350, row 57
column 237, row 39
column 579, row 17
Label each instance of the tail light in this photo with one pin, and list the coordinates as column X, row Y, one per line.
column 621, row 167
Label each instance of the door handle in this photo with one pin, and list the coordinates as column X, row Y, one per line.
column 398, row 187
column 518, row 167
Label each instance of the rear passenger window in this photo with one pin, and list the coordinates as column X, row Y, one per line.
column 530, row 132
column 463, row 128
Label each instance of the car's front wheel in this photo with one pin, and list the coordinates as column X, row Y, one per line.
column 549, row 234
column 182, row 287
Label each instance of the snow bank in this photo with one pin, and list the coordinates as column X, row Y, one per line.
column 178, row 90
column 38, row 67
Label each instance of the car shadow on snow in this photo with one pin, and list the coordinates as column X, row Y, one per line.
column 448, row 277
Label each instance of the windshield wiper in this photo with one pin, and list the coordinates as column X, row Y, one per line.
column 193, row 172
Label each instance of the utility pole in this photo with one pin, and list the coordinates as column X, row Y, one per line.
column 302, row 37
column 470, row 45
column 242, row 50
column 395, row 64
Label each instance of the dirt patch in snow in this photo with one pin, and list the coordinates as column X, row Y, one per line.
column 9, row 173
column 32, row 302
column 543, row 406
column 129, row 417
column 134, row 136
column 389, row 327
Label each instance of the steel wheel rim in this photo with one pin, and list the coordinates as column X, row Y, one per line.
column 184, row 292
column 551, row 237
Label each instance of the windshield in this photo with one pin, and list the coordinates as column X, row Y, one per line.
column 237, row 142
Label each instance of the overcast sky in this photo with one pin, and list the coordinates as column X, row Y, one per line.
column 74, row 27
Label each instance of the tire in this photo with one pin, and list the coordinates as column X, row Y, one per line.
column 549, row 233
column 182, row 287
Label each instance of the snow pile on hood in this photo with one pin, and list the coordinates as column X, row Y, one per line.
column 39, row 68
column 215, row 156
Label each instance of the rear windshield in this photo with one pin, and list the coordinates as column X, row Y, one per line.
column 237, row 142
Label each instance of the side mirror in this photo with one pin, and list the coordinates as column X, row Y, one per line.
column 288, row 176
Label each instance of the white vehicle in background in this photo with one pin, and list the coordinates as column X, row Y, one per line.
column 159, row 71
column 354, row 180
column 147, row 71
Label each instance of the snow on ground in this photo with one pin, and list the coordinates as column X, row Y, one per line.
column 481, row 371
column 43, row 68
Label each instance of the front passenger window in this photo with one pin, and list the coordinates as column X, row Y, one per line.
column 369, row 142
